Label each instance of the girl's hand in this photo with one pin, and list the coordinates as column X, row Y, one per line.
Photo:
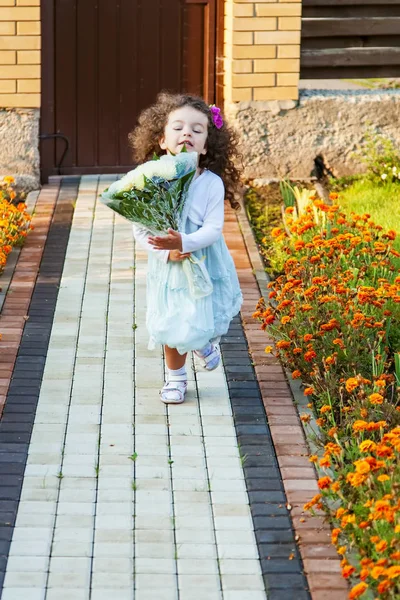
column 172, row 241
column 176, row 256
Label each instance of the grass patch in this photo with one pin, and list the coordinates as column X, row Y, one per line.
column 381, row 202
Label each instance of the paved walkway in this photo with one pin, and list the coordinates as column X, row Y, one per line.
column 105, row 492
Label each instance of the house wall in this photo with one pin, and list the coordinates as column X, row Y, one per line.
column 262, row 50
column 20, row 90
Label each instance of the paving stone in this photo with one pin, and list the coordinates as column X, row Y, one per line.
column 292, row 581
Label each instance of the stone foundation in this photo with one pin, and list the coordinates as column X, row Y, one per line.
column 19, row 146
column 283, row 138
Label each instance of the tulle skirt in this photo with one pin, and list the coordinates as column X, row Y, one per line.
column 176, row 319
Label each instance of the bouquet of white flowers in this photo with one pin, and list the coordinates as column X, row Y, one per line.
column 154, row 195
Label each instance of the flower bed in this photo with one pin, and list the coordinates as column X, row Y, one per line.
column 335, row 316
column 14, row 220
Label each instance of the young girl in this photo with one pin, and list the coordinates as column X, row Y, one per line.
column 174, row 318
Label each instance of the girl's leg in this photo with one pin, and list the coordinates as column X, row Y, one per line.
column 174, row 359
column 174, row 388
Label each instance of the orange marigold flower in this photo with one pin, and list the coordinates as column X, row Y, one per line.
column 374, row 426
column 375, row 398
column 380, row 383
column 384, row 451
column 325, row 408
column 395, row 556
column 308, row 337
column 286, row 319
column 283, row 344
column 299, row 244
column 367, row 446
column 297, row 351
column 375, row 539
column 332, row 431
column 358, row 590
column 384, row 586
column 309, row 355
column 362, row 466
column 381, row 546
column 351, row 384
column 360, row 425
column 335, row 487
column 276, row 232
column 380, row 247
column 342, row 550
column 268, row 349
column 313, row 458
column 376, row 572
column 320, row 422
column 324, row 483
column 305, row 418
column 296, row 374
column 364, row 413
column 325, row 462
column 347, row 571
column 383, row 478
column 335, row 535
column 8, row 179
column 309, row 391
column 393, row 572
column 356, row 479
column 338, row 342
column 331, row 448
column 363, row 524
column 312, row 502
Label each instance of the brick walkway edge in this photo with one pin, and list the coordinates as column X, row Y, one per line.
column 16, row 304
column 320, row 560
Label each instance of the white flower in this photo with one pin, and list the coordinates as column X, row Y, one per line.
column 165, row 168
column 168, row 167
column 383, row 176
column 394, row 169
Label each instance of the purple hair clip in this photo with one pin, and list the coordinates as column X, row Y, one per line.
column 216, row 116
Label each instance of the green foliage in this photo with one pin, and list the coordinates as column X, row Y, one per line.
column 263, row 209
column 287, row 192
column 381, row 158
column 157, row 207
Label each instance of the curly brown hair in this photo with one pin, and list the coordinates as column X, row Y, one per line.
column 221, row 143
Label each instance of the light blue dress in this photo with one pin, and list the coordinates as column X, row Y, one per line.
column 174, row 318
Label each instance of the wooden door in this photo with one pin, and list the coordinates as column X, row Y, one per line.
column 103, row 61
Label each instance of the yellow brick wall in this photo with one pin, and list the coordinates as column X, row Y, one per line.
column 262, row 49
column 19, row 53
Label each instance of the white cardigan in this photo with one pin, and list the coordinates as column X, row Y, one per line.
column 206, row 211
